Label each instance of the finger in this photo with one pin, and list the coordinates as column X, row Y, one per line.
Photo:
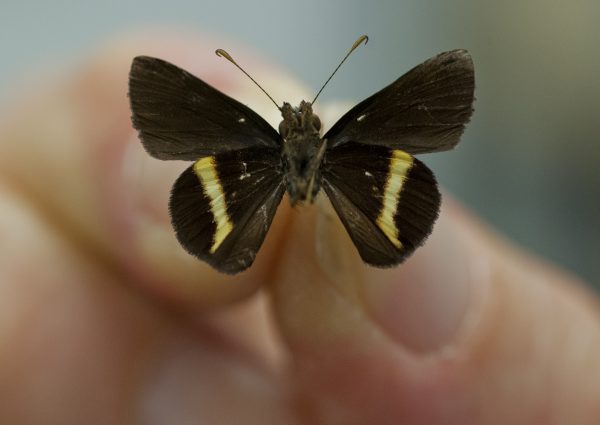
column 468, row 331
column 71, row 148
column 78, row 347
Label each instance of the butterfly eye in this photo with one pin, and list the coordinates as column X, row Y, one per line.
column 284, row 129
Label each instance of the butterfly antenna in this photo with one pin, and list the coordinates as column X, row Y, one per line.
column 223, row 54
column 357, row 43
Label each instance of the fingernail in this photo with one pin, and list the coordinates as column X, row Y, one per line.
column 148, row 183
column 162, row 262
column 423, row 302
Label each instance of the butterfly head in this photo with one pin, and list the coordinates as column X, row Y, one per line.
column 303, row 151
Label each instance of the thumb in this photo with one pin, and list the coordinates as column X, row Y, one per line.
column 468, row 331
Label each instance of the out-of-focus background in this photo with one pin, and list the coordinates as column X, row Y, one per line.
column 529, row 160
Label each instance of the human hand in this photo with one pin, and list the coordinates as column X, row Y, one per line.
column 105, row 319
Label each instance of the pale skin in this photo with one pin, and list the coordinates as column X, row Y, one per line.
column 105, row 320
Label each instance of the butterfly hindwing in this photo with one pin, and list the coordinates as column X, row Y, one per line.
column 181, row 117
column 222, row 206
column 425, row 110
column 387, row 199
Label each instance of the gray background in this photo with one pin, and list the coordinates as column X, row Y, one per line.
column 529, row 160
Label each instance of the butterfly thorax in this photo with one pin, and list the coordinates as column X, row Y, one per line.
column 302, row 151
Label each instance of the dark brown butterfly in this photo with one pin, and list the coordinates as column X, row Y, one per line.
column 222, row 206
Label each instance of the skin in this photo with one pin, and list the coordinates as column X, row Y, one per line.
column 104, row 318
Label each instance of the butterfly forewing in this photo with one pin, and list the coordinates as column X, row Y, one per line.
column 181, row 117
column 387, row 199
column 222, row 206
column 425, row 110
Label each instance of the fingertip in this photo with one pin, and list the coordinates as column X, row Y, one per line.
column 421, row 303
column 470, row 321
column 84, row 165
column 141, row 190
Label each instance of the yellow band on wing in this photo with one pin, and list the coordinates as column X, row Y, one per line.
column 400, row 164
column 207, row 173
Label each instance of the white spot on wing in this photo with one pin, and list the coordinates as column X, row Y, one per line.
column 242, row 120
column 368, row 174
column 362, row 117
column 245, row 173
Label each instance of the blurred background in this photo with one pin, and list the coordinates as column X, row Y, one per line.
column 529, row 160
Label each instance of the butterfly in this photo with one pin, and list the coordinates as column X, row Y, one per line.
column 222, row 206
